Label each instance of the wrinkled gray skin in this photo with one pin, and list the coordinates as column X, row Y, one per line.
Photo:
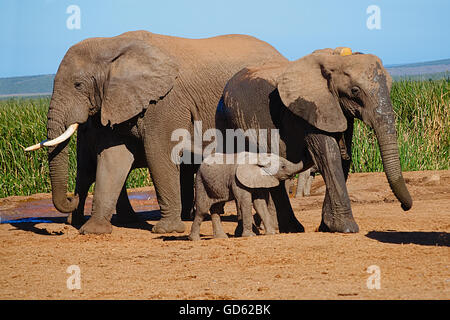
column 244, row 182
column 88, row 148
column 141, row 86
column 313, row 102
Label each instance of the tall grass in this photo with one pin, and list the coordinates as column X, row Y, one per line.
column 23, row 123
column 422, row 109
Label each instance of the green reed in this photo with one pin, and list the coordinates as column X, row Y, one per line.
column 422, row 109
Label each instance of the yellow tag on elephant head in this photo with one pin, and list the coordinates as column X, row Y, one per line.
column 346, row 52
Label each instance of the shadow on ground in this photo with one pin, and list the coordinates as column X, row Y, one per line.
column 423, row 238
column 29, row 224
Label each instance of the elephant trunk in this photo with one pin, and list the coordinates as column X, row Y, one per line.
column 392, row 168
column 58, row 159
column 384, row 127
column 298, row 167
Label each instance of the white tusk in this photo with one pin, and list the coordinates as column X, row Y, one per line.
column 36, row 146
column 49, row 143
column 66, row 135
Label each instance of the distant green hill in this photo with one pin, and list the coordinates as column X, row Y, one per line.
column 420, row 64
column 434, row 70
column 43, row 84
column 423, row 77
column 27, row 86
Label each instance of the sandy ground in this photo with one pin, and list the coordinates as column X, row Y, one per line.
column 410, row 252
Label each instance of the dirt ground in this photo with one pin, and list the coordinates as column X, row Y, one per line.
column 410, row 251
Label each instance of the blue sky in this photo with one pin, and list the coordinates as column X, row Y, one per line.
column 34, row 36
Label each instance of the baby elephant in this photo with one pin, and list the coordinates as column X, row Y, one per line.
column 244, row 177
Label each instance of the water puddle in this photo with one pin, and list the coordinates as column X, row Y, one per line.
column 43, row 211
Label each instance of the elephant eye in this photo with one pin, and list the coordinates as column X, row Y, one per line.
column 283, row 167
column 78, row 85
column 355, row 91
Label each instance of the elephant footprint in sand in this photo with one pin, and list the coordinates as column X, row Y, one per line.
column 246, row 181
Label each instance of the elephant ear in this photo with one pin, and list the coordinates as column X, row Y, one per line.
column 253, row 176
column 306, row 89
column 139, row 74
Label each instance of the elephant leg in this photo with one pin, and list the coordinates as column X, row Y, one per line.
column 287, row 221
column 347, row 139
column 84, row 180
column 247, row 220
column 260, row 205
column 272, row 213
column 308, row 183
column 187, row 191
column 195, row 229
column 166, row 178
column 86, row 170
column 301, row 183
column 336, row 210
column 244, row 205
column 124, row 210
column 113, row 165
column 200, row 214
column 216, row 210
column 238, row 230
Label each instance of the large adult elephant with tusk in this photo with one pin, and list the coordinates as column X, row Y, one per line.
column 141, row 87
column 313, row 102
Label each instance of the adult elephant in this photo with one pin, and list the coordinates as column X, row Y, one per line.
column 313, row 102
column 142, row 86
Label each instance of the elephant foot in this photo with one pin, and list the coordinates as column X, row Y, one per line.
column 240, row 228
column 342, row 224
column 220, row 235
column 290, row 226
column 169, row 226
column 75, row 219
column 248, row 233
column 270, row 232
column 194, row 237
column 96, row 226
column 269, row 229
